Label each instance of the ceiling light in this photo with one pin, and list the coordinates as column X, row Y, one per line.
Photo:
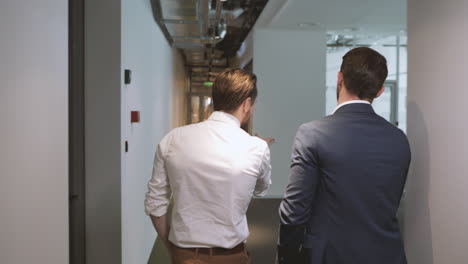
column 352, row 29
column 307, row 24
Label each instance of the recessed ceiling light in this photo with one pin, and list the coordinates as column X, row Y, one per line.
column 352, row 29
column 307, row 24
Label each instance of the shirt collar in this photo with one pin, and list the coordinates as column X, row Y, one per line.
column 225, row 118
column 350, row 102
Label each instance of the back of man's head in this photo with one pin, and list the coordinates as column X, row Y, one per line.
column 364, row 72
column 231, row 88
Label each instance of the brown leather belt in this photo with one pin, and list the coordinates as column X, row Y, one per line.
column 219, row 251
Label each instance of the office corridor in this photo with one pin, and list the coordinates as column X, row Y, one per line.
column 90, row 87
column 263, row 224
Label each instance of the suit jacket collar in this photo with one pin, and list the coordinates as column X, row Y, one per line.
column 356, row 108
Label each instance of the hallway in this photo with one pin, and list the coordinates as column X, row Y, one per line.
column 90, row 87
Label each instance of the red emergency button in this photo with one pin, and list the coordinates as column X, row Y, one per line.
column 135, row 116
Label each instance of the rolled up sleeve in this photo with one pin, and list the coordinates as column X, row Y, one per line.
column 159, row 189
column 264, row 180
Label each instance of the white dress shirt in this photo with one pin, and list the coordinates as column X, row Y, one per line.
column 212, row 169
column 350, row 102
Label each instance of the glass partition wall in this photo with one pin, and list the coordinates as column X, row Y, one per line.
column 199, row 93
column 392, row 104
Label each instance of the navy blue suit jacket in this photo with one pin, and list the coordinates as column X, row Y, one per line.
column 346, row 181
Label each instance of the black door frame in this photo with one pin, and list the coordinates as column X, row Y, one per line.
column 76, row 133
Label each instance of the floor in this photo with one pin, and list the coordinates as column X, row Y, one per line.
column 263, row 223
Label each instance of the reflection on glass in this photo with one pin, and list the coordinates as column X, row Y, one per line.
column 383, row 104
column 195, row 111
column 207, row 107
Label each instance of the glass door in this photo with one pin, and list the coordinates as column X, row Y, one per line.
column 386, row 105
column 201, row 107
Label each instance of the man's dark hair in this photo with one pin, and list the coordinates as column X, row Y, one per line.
column 364, row 72
column 231, row 88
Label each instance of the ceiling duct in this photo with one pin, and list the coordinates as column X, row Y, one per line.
column 207, row 32
column 186, row 23
column 195, row 26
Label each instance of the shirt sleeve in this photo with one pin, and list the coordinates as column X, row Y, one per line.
column 159, row 190
column 295, row 208
column 264, row 180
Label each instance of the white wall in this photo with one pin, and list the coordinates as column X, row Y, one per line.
column 34, row 132
column 291, row 71
column 436, row 204
column 158, row 92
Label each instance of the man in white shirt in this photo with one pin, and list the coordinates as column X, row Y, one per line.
column 211, row 169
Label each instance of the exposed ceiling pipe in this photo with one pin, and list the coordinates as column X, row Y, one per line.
column 204, row 18
column 220, row 26
column 202, row 9
column 198, row 28
column 219, row 32
column 219, row 8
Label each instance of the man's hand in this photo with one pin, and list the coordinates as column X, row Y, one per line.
column 269, row 140
column 162, row 228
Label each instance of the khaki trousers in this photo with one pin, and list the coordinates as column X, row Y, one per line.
column 191, row 256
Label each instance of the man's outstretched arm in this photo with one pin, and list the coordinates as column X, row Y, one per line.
column 264, row 180
column 295, row 209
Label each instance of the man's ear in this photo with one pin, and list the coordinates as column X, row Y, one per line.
column 380, row 92
column 247, row 105
column 340, row 78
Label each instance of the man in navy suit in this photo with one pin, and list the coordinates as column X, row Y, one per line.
column 347, row 177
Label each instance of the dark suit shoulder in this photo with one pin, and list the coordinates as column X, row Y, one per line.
column 334, row 125
column 394, row 130
column 310, row 135
column 309, row 130
column 316, row 124
column 398, row 136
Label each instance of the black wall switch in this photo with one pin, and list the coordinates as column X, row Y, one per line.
column 128, row 76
